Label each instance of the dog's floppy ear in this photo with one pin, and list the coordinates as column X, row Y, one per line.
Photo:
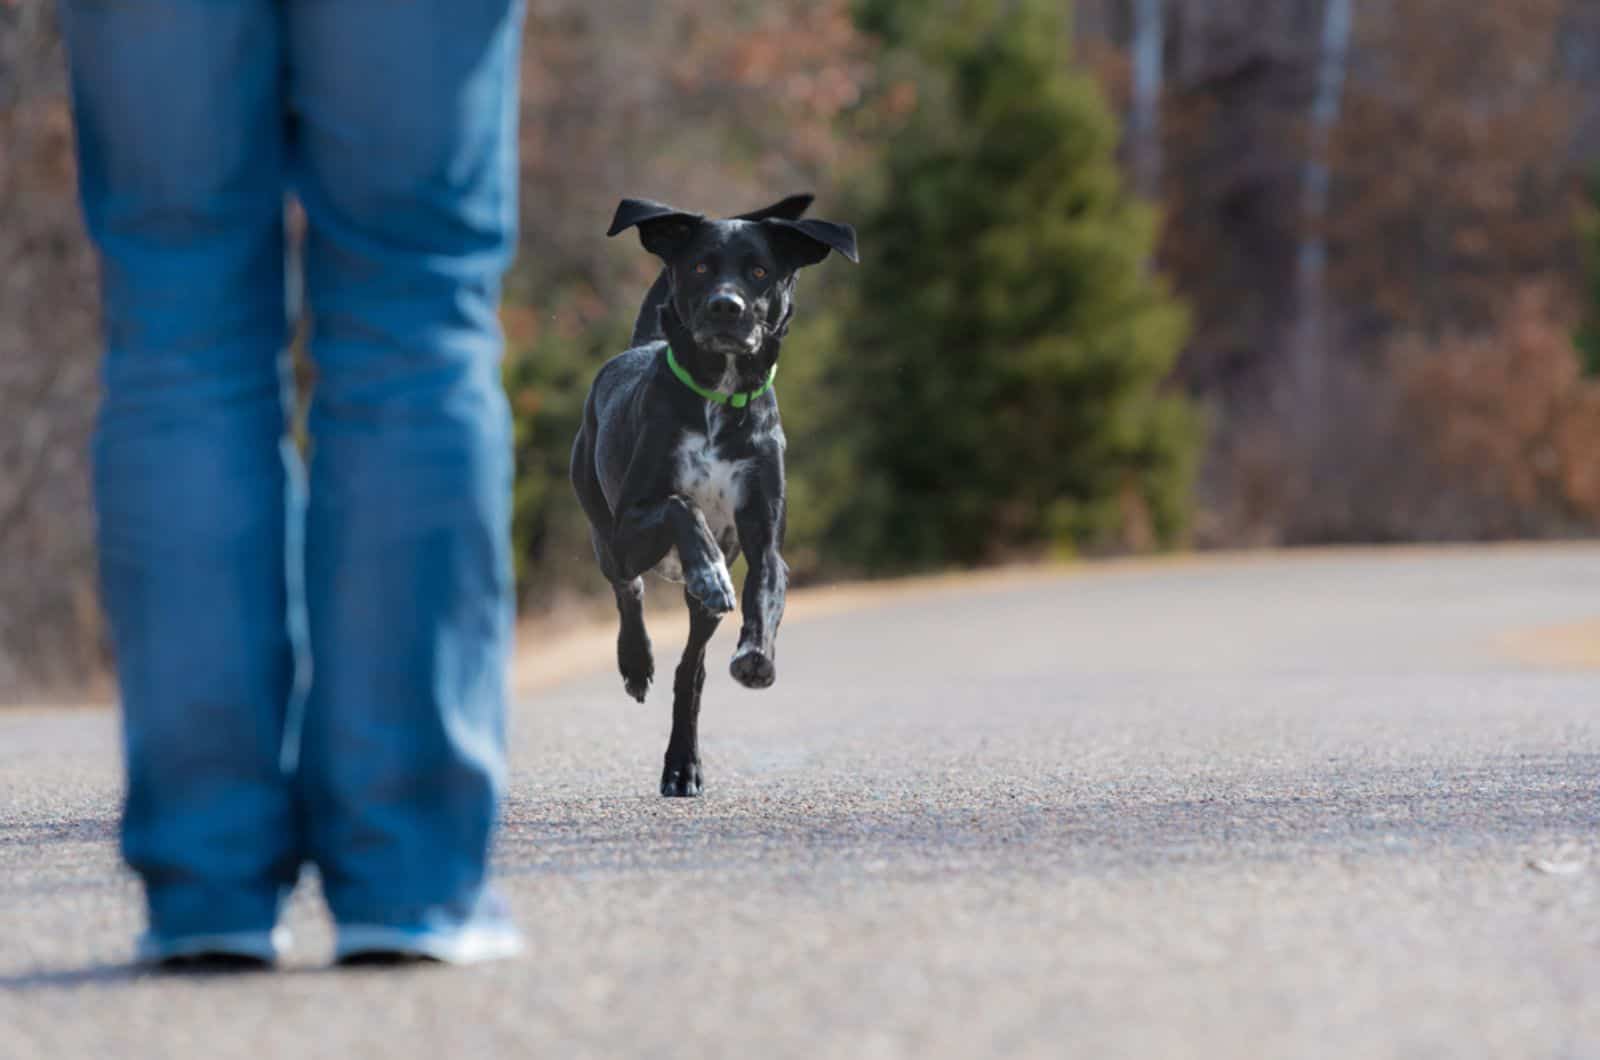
column 662, row 229
column 802, row 243
column 790, row 209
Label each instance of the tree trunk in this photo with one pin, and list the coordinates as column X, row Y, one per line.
column 1311, row 262
column 1148, row 49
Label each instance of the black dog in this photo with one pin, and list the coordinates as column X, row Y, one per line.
column 679, row 462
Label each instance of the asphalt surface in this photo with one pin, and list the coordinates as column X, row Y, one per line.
column 1293, row 807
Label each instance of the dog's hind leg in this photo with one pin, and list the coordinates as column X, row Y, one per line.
column 681, row 773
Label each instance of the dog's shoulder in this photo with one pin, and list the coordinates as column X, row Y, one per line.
column 625, row 374
column 630, row 365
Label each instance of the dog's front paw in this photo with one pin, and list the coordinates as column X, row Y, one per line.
column 637, row 685
column 753, row 668
column 636, row 663
column 681, row 779
column 713, row 587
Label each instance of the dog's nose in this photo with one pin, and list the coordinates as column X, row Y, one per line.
column 725, row 305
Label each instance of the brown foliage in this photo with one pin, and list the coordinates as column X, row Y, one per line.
column 1510, row 421
column 1452, row 166
column 1453, row 161
column 1454, row 169
column 708, row 109
column 49, row 622
column 1475, row 437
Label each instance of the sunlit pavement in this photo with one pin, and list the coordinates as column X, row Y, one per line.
column 1338, row 804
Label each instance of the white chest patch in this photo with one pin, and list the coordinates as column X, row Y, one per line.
column 715, row 485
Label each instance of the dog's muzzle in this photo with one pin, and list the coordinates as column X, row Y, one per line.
column 726, row 327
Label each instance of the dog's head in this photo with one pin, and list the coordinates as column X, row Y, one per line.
column 732, row 281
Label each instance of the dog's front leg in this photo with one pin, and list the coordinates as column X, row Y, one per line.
column 647, row 531
column 765, row 588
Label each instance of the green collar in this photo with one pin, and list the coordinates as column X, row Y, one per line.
column 738, row 401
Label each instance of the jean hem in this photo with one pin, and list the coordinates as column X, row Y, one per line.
column 267, row 946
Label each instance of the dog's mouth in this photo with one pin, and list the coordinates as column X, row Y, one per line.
column 729, row 343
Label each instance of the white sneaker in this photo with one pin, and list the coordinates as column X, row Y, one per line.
column 488, row 935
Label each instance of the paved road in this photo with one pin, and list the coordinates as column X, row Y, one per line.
column 1293, row 807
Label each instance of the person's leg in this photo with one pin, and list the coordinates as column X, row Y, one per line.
column 405, row 161
column 178, row 107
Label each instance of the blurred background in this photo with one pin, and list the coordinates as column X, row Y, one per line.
column 1137, row 275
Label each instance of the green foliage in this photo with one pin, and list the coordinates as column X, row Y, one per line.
column 547, row 377
column 829, row 485
column 1588, row 337
column 891, row 21
column 1009, row 344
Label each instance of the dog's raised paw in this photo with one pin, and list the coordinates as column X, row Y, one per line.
column 637, row 687
column 713, row 587
column 681, row 780
column 753, row 669
column 636, row 678
column 637, row 666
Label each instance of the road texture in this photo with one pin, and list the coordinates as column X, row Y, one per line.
column 1299, row 806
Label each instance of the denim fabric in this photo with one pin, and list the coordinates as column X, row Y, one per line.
column 310, row 659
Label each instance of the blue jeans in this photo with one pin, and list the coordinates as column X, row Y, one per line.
column 311, row 658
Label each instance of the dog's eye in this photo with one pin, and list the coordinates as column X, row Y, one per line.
column 759, row 273
column 701, row 269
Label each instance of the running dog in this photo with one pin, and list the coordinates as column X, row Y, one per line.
column 679, row 461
